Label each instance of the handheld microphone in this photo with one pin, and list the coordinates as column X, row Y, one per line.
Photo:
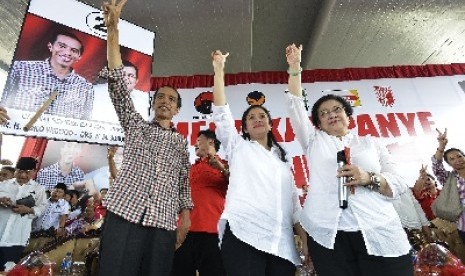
column 343, row 193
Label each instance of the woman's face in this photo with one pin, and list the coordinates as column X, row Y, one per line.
column 257, row 123
column 333, row 118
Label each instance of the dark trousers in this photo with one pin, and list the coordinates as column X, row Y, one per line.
column 200, row 251
column 350, row 258
column 241, row 259
column 132, row 249
column 10, row 254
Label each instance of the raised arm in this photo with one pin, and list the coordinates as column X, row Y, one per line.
column 219, row 97
column 111, row 162
column 293, row 56
column 111, row 15
column 442, row 143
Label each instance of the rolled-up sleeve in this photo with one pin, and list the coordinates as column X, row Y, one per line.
column 389, row 170
column 226, row 131
column 300, row 122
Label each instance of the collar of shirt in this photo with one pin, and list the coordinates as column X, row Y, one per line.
column 156, row 123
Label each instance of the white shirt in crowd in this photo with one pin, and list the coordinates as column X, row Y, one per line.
column 368, row 211
column 261, row 204
column 51, row 216
column 15, row 229
column 410, row 212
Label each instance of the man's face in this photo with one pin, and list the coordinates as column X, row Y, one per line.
column 6, row 174
column 165, row 104
column 69, row 152
column 23, row 176
column 130, row 77
column 57, row 194
column 65, row 51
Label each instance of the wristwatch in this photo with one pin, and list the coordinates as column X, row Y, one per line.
column 375, row 182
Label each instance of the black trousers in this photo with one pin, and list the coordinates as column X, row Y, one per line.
column 241, row 259
column 200, row 251
column 10, row 254
column 350, row 257
column 131, row 249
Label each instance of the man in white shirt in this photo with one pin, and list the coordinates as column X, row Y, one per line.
column 55, row 214
column 21, row 200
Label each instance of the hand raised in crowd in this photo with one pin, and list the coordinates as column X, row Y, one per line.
column 111, row 12
column 421, row 182
column 294, row 54
column 218, row 60
column 3, row 115
column 442, row 139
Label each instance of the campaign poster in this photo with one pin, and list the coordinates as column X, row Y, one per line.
column 60, row 61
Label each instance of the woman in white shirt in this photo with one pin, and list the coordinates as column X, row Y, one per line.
column 366, row 238
column 262, row 206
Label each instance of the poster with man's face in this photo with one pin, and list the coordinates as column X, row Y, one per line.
column 57, row 83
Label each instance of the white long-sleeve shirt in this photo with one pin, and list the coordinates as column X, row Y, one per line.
column 15, row 229
column 52, row 215
column 369, row 212
column 410, row 212
column 261, row 203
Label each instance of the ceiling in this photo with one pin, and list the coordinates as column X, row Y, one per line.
column 334, row 33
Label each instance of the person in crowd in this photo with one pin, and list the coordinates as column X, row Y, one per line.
column 426, row 191
column 30, row 83
column 455, row 158
column 7, row 172
column 82, row 224
column 151, row 188
column 367, row 236
column 413, row 219
column 21, row 200
column 100, row 210
column 75, row 206
column 262, row 206
column 209, row 182
column 56, row 213
column 63, row 171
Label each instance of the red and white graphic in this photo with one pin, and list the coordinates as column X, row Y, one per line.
column 385, row 95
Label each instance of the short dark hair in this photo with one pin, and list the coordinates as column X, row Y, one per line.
column 74, row 192
column 345, row 104
column 9, row 168
column 211, row 135
column 68, row 34
column 62, row 186
column 127, row 63
column 451, row 150
column 167, row 86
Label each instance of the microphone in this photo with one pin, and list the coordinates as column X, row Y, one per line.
column 343, row 194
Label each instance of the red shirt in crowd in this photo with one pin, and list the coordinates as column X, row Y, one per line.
column 425, row 200
column 208, row 191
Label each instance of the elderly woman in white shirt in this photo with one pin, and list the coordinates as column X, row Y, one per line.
column 366, row 238
column 262, row 206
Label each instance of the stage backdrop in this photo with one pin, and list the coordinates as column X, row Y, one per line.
column 401, row 105
column 98, row 124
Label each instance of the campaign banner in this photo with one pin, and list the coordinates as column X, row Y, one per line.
column 60, row 59
column 403, row 112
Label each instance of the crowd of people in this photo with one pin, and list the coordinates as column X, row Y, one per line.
column 237, row 215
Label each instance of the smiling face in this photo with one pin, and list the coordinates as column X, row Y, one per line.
column 23, row 176
column 455, row 159
column 69, row 152
column 333, row 118
column 165, row 103
column 65, row 51
column 257, row 123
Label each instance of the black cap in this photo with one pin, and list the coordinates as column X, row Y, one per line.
column 26, row 163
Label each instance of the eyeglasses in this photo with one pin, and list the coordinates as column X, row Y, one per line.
column 131, row 76
column 325, row 113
